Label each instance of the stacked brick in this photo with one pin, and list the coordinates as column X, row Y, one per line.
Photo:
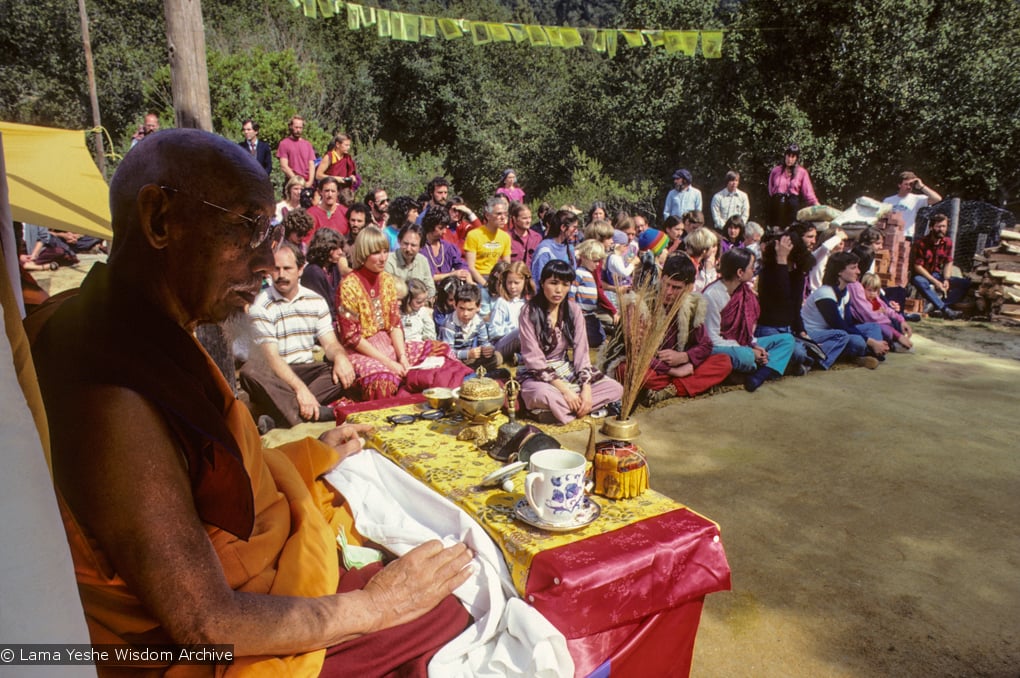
column 996, row 279
column 892, row 262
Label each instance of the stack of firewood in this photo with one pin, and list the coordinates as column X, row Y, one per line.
column 996, row 279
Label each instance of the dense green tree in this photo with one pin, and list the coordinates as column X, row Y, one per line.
column 866, row 88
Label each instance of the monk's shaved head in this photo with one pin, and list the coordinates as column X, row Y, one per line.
column 201, row 164
column 187, row 206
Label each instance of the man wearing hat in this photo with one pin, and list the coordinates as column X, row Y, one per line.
column 913, row 194
column 683, row 198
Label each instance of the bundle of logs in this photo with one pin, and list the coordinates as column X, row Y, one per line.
column 996, row 280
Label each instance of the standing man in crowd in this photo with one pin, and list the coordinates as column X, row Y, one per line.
column 297, row 157
column 730, row 201
column 683, row 198
column 260, row 149
column 283, row 378
column 912, row 195
column 183, row 528
column 931, row 262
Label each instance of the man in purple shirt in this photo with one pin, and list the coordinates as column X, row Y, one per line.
column 523, row 240
column 297, row 157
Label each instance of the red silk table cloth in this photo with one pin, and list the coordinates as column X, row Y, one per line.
column 626, row 591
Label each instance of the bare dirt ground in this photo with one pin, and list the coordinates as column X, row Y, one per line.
column 871, row 518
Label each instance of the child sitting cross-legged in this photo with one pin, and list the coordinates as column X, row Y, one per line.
column 466, row 332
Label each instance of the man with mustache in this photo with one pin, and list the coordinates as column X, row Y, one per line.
column 283, row 377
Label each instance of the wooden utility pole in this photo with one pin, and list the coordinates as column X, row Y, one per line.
column 90, row 73
column 189, row 77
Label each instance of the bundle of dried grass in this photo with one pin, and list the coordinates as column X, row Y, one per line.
column 643, row 325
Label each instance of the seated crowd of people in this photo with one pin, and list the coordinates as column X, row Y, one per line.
column 413, row 293
column 185, row 528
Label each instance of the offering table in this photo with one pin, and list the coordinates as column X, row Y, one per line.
column 626, row 590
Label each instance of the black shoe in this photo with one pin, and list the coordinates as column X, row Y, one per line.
column 950, row 314
column 266, row 424
column 912, row 317
column 756, row 379
column 814, row 351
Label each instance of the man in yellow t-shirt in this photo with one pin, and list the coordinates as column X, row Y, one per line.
column 489, row 244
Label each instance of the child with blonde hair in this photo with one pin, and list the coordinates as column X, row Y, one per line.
column 415, row 314
column 514, row 290
column 868, row 306
column 584, row 291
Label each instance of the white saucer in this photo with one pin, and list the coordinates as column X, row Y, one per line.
column 590, row 510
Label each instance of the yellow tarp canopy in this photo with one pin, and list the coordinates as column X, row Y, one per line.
column 53, row 181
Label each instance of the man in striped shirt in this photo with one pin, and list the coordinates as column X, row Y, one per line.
column 283, row 378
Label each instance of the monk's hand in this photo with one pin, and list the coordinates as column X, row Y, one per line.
column 347, row 439
column 415, row 583
column 308, row 406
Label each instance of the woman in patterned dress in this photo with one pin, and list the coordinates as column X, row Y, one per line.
column 368, row 324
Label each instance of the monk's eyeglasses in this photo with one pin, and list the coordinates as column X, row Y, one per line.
column 262, row 227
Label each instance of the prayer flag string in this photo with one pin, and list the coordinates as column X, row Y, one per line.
column 414, row 27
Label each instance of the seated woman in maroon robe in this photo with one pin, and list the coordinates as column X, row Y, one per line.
column 368, row 324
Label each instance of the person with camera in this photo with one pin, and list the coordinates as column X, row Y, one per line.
column 913, row 194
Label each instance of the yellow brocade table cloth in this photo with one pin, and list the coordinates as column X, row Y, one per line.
column 640, row 556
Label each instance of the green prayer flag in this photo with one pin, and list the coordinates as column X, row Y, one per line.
column 684, row 42
column 655, row 38
column 326, row 8
column 517, row 32
column 611, row 42
column 480, row 33
column 537, row 36
column 353, row 17
column 555, row 37
column 711, row 44
column 499, row 33
column 404, row 26
column 571, row 38
column 295, row 3
column 385, row 26
column 633, row 38
column 310, row 9
column 367, row 16
column 428, row 27
column 598, row 42
column 450, row 29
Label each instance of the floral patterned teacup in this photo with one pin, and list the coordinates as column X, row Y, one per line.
column 555, row 484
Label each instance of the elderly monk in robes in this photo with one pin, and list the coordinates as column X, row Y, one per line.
column 182, row 527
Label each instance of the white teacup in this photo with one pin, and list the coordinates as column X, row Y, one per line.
column 554, row 486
